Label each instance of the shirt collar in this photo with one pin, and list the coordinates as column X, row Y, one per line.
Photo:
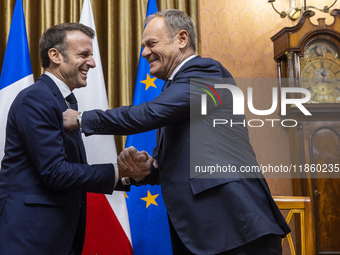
column 179, row 66
column 64, row 89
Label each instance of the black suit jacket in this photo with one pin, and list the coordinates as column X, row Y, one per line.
column 44, row 177
column 210, row 215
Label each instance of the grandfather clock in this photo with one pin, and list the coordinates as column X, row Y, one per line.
column 307, row 56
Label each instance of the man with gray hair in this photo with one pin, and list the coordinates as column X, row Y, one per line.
column 231, row 215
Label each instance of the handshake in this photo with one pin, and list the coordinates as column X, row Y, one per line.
column 134, row 164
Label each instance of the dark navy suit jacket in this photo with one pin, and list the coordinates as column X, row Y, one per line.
column 210, row 215
column 42, row 184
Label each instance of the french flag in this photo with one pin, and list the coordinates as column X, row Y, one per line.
column 16, row 73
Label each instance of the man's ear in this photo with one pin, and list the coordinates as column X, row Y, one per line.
column 55, row 56
column 183, row 38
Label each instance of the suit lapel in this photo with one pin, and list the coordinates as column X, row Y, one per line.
column 63, row 106
column 159, row 133
column 55, row 90
column 167, row 84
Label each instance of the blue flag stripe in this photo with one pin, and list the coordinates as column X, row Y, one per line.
column 17, row 61
column 148, row 223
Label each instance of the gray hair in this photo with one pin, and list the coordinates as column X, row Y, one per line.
column 177, row 20
column 54, row 37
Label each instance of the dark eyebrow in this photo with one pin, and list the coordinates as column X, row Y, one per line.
column 85, row 53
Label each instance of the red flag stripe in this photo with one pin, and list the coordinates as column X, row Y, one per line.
column 104, row 229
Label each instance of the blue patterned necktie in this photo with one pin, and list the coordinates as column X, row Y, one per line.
column 166, row 85
column 71, row 99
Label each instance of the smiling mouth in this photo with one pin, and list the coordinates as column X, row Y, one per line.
column 84, row 72
column 152, row 61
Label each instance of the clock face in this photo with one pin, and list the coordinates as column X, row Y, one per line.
column 321, row 49
column 321, row 77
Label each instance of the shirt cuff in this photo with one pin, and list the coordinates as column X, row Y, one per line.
column 79, row 116
column 115, row 165
column 126, row 181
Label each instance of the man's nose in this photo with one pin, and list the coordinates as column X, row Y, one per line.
column 91, row 63
column 146, row 51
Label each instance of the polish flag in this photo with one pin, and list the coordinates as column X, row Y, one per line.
column 107, row 226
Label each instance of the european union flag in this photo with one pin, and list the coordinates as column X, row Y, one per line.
column 148, row 217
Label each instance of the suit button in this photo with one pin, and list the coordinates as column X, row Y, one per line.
column 80, row 203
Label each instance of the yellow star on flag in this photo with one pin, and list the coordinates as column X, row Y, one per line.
column 150, row 199
column 149, row 82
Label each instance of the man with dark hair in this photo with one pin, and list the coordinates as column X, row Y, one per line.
column 231, row 215
column 44, row 174
column 55, row 38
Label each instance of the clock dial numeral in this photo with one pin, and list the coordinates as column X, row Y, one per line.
column 314, row 96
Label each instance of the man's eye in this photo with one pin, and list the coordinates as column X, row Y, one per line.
column 151, row 44
column 84, row 55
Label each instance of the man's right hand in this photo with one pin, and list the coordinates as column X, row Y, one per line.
column 70, row 119
column 134, row 164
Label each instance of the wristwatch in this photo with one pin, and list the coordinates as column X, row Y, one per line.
column 79, row 119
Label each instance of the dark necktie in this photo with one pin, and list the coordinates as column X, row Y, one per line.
column 71, row 99
column 166, row 85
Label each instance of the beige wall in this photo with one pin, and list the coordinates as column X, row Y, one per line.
column 237, row 33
